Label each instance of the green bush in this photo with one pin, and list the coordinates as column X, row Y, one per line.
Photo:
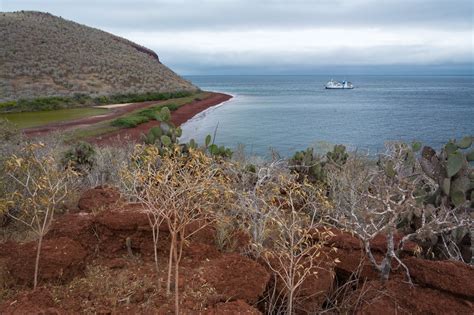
column 142, row 116
column 58, row 102
column 149, row 112
column 130, row 121
column 80, row 157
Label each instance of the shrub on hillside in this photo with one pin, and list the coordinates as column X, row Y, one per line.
column 382, row 200
column 81, row 157
column 179, row 190
column 80, row 100
column 39, row 187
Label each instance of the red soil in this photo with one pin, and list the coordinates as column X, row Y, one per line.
column 61, row 260
column 178, row 117
column 32, row 302
column 95, row 199
column 232, row 308
column 211, row 282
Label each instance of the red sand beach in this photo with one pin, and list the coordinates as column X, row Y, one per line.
column 178, row 117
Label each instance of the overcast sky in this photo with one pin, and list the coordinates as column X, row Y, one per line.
column 286, row 36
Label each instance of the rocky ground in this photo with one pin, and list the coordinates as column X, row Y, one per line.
column 86, row 266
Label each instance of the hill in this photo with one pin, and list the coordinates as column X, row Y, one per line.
column 43, row 55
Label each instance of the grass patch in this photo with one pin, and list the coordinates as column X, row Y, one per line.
column 88, row 132
column 81, row 100
column 36, row 119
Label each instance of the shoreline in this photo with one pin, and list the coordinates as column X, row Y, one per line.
column 178, row 117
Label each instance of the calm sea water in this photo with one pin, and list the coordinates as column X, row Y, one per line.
column 289, row 113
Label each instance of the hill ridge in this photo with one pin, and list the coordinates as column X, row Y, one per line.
column 44, row 55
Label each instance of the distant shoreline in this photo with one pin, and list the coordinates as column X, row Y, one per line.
column 178, row 117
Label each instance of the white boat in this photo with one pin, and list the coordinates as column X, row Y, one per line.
column 332, row 84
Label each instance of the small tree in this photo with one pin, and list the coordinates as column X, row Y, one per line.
column 377, row 200
column 40, row 187
column 294, row 249
column 255, row 202
column 179, row 190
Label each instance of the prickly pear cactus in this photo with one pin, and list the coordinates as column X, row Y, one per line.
column 452, row 170
column 338, row 155
column 217, row 151
column 307, row 164
column 166, row 134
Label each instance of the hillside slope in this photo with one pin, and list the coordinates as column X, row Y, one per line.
column 44, row 55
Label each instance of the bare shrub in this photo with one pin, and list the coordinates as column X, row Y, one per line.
column 279, row 211
column 371, row 201
column 294, row 252
column 40, row 187
column 179, row 190
column 226, row 227
column 109, row 161
column 254, row 203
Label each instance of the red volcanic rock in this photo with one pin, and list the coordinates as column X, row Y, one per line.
column 340, row 239
column 397, row 297
column 236, row 277
column 130, row 217
column 77, row 226
column 450, row 276
column 115, row 227
column 313, row 291
column 200, row 251
column 353, row 262
column 61, row 260
column 99, row 198
column 345, row 240
column 231, row 308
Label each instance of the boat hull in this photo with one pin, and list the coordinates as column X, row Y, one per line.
column 339, row 88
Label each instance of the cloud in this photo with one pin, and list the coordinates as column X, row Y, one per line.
column 251, row 14
column 310, row 47
column 192, row 35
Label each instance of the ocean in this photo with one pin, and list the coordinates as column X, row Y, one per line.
column 290, row 113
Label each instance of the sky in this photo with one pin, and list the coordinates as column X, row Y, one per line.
column 286, row 36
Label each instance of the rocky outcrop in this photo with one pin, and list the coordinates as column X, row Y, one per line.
column 397, row 297
column 449, row 276
column 236, row 277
